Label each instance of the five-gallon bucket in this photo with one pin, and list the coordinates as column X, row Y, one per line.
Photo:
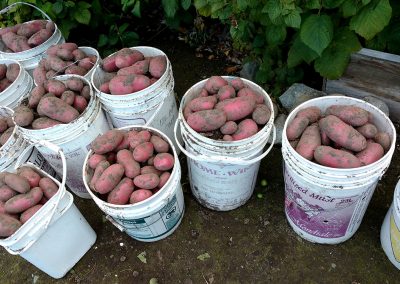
column 324, row 204
column 153, row 106
column 30, row 58
column 56, row 237
column 19, row 89
column 152, row 219
column 390, row 231
column 223, row 173
column 73, row 138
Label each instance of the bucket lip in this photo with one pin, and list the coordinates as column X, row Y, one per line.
column 20, row 73
column 248, row 83
column 152, row 86
column 16, row 127
column 36, row 48
column 292, row 114
column 175, row 169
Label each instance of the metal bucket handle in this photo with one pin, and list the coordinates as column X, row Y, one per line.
column 228, row 160
column 40, row 227
column 8, row 8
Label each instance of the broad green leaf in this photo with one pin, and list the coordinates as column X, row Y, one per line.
column 313, row 4
column 136, row 10
column 83, row 5
column 273, row 8
column 216, row 7
column 242, row 4
column 349, row 8
column 170, row 7
column 371, row 19
column 293, row 19
column 113, row 38
column 203, row 7
column 123, row 27
column 317, row 32
column 347, row 40
column 70, row 4
column 332, row 63
column 82, row 16
column 57, row 7
column 103, row 40
column 225, row 13
column 203, row 256
column 186, row 4
column 258, row 41
column 130, row 38
column 299, row 52
column 275, row 34
column 330, row 4
column 365, row 2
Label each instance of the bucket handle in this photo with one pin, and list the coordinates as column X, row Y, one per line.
column 8, row 8
column 228, row 160
column 40, row 229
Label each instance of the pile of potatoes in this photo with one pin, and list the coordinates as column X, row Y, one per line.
column 343, row 137
column 228, row 110
column 27, row 35
column 6, row 129
column 65, row 58
column 129, row 166
column 128, row 71
column 22, row 194
column 8, row 74
column 53, row 102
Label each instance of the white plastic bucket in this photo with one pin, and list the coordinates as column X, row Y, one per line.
column 390, row 230
column 74, row 139
column 223, row 173
column 19, row 89
column 152, row 219
column 29, row 59
column 326, row 205
column 154, row 106
column 56, row 237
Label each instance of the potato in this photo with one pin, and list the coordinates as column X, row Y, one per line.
column 57, row 109
column 247, row 92
column 35, row 96
column 368, row 130
column 86, row 92
column 150, row 170
column 76, row 70
column 12, row 72
column 312, row 113
column 352, row 115
column 68, row 96
column 203, row 93
column 30, row 28
column 80, row 103
column 23, row 115
column 4, row 84
column 3, row 71
column 296, row 127
column 50, row 26
column 2, row 208
column 105, row 88
column 39, row 37
column 127, row 84
column 98, row 172
column 294, row 143
column 140, row 67
column 226, row 92
column 108, row 64
column 236, row 108
column 126, row 57
column 6, row 193
column 164, row 161
column 246, row 128
column 139, row 195
column 8, row 225
column 39, row 75
column 202, row 103
column 261, row 114
column 132, row 167
column 3, row 124
column 147, row 181
column 121, row 194
column 48, row 186
column 207, row 120
column 135, row 138
column 160, row 145
column 335, row 158
column 64, row 54
column 229, row 127
column 15, row 42
column 6, row 134
column 86, row 63
column 74, row 84
column 107, row 142
column 109, row 178
column 164, row 177
column 79, row 55
column 342, row 133
column 44, row 122
column 371, row 154
column 158, row 66
column 95, row 159
column 325, row 139
column 383, row 139
column 30, row 174
column 56, row 63
column 17, row 183
column 237, row 84
column 27, row 214
column 143, row 152
column 309, row 141
column 68, row 45
column 22, row 202
column 214, row 83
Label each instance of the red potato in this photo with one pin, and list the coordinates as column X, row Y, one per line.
column 12, row 72
column 312, row 113
column 109, row 179
column 86, row 92
column 150, row 170
column 86, row 63
column 164, row 177
column 186, row 112
column 325, row 139
column 3, row 125
column 74, row 84
column 95, row 159
column 80, row 103
column 2, row 208
column 294, row 143
column 101, row 167
column 352, row 115
column 207, row 120
column 246, row 128
column 160, row 145
column 6, row 134
column 371, row 154
column 124, row 143
column 10, row 122
column 135, row 138
column 140, row 67
column 68, row 97
column 35, row 96
column 3, row 71
column 147, row 181
column 15, row 42
column 56, row 63
column 158, row 66
column 247, row 92
column 164, row 161
column 236, row 108
column 296, row 127
column 22, row 202
column 143, row 152
column 203, row 93
column 383, row 139
column 105, row 88
column 368, row 130
column 226, row 92
column 57, row 109
column 229, row 127
column 261, row 114
column 111, row 157
column 342, row 133
column 8, row 225
column 140, row 195
column 309, row 141
column 78, row 54
column 44, row 122
column 121, row 194
column 50, row 26
column 17, row 183
column 107, row 142
column 64, row 54
column 25, row 216
column 23, row 115
column 108, row 64
column 150, row 161
column 202, row 103
column 126, row 57
column 39, row 75
column 132, row 167
column 68, row 45
column 227, row 138
column 237, row 84
column 30, row 28
column 122, row 85
column 6, row 193
column 48, row 186
column 4, row 84
column 30, row 174
column 335, row 158
column 214, row 83
column 76, row 70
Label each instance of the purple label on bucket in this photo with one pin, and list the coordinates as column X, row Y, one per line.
column 317, row 214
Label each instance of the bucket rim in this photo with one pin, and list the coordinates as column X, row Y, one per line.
column 20, row 73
